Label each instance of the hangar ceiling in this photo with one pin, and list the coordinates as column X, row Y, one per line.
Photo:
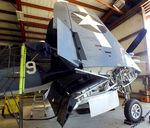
column 37, row 14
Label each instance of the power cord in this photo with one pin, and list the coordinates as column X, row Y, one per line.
column 33, row 119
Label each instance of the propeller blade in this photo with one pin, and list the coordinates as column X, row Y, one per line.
column 137, row 40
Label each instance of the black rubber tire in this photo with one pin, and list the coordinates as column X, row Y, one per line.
column 127, row 110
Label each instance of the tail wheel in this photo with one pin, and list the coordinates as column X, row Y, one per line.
column 133, row 111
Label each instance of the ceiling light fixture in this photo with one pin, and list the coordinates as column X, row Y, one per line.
column 119, row 4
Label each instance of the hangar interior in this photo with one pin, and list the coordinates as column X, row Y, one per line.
column 24, row 26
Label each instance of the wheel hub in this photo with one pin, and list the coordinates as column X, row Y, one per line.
column 136, row 111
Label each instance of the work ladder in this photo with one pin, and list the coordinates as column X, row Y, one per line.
column 39, row 103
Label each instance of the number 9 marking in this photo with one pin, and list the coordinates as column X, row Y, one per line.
column 31, row 67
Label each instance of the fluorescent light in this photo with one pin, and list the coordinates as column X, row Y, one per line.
column 119, row 4
column 42, row 41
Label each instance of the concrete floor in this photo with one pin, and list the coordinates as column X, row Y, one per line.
column 112, row 119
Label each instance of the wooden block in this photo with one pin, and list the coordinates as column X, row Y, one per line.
column 148, row 92
column 145, row 99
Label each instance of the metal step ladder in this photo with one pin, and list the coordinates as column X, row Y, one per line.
column 39, row 103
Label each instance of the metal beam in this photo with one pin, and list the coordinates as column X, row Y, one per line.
column 110, row 12
column 19, row 8
column 27, row 31
column 147, row 2
column 87, row 5
column 22, row 82
column 109, row 6
column 10, row 1
column 36, row 17
column 127, row 15
column 26, row 23
column 51, row 9
column 9, row 29
column 33, row 32
column 8, row 21
column 37, row 6
column 25, row 15
column 35, row 38
column 7, row 12
column 12, row 35
column 106, row 16
column 37, row 25
column 10, row 40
